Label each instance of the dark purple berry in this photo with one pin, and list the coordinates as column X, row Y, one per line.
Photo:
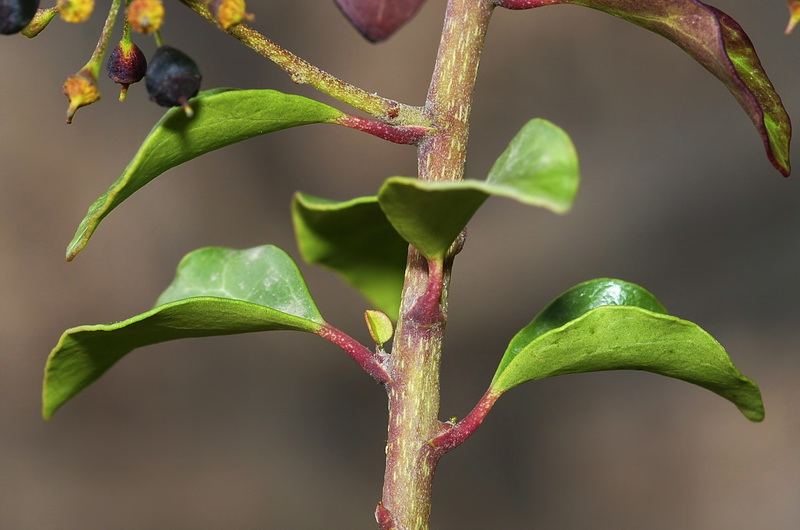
column 16, row 14
column 126, row 65
column 172, row 78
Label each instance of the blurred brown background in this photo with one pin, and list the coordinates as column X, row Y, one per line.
column 281, row 430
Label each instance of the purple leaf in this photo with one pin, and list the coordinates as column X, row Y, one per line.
column 377, row 20
column 718, row 43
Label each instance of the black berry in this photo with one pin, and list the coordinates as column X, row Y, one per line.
column 16, row 14
column 172, row 78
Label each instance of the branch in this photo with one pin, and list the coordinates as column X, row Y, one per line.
column 303, row 72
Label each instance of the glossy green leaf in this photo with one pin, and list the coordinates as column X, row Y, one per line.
column 575, row 302
column 718, row 43
column 539, row 167
column 354, row 239
column 611, row 325
column 216, row 291
column 221, row 117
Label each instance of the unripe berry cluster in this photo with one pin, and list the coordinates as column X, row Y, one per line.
column 172, row 76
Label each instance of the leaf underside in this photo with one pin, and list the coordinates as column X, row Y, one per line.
column 719, row 44
column 613, row 325
column 215, row 292
column 221, row 117
column 377, row 20
column 354, row 239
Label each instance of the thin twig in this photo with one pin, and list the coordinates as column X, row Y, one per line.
column 303, row 72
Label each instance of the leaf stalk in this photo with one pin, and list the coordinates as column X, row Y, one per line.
column 456, row 434
column 362, row 355
column 398, row 134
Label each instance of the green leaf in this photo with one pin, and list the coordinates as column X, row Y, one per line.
column 354, row 239
column 380, row 326
column 539, row 167
column 574, row 303
column 221, row 118
column 430, row 215
column 264, row 275
column 719, row 44
column 611, row 325
column 216, row 291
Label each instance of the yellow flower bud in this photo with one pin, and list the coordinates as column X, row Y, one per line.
column 75, row 10
column 228, row 13
column 146, row 16
column 81, row 90
column 794, row 15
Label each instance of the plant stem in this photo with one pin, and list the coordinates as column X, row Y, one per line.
column 96, row 61
column 455, row 435
column 304, row 72
column 449, row 100
column 399, row 134
column 415, row 360
column 357, row 351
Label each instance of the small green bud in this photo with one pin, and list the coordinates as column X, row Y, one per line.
column 380, row 326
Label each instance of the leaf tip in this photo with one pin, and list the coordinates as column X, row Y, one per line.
column 754, row 415
column 783, row 167
column 49, row 406
column 47, row 413
column 74, row 248
column 749, row 402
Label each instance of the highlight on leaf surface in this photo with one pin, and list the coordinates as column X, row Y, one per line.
column 221, row 117
column 539, row 168
column 613, row 325
column 216, row 291
column 718, row 43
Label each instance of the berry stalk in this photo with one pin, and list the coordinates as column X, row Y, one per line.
column 81, row 88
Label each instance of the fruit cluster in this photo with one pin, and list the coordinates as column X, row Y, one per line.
column 172, row 76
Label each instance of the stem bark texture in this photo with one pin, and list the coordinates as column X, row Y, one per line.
column 416, row 354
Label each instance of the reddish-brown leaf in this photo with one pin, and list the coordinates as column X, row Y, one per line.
column 718, row 43
column 377, row 20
